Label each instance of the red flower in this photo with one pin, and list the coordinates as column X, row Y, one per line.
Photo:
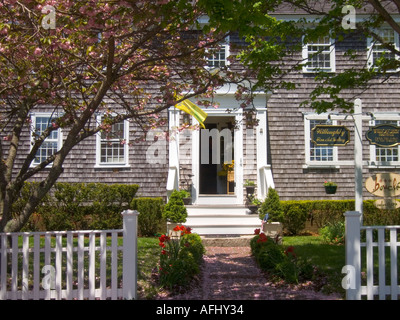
column 162, row 244
column 163, row 252
column 179, row 228
column 163, row 238
column 262, row 238
column 290, row 250
column 257, row 231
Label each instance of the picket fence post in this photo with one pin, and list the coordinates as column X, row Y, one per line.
column 353, row 253
column 129, row 267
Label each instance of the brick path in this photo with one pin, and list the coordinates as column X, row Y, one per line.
column 230, row 273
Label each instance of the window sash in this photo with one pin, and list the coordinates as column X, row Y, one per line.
column 112, row 146
column 376, row 50
column 384, row 155
column 320, row 153
column 319, row 55
column 51, row 144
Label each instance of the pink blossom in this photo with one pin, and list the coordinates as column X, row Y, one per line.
column 37, row 52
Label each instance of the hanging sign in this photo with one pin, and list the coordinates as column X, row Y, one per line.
column 326, row 135
column 387, row 204
column 384, row 135
column 384, row 184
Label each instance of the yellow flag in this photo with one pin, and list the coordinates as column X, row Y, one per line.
column 192, row 109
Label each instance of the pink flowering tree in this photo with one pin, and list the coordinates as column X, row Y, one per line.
column 72, row 56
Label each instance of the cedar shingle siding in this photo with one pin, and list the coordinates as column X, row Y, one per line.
column 286, row 143
column 292, row 179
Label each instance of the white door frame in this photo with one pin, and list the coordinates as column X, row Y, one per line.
column 236, row 198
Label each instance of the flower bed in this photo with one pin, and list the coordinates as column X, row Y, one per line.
column 278, row 261
column 180, row 257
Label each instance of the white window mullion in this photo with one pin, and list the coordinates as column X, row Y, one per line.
column 112, row 147
column 319, row 55
column 52, row 144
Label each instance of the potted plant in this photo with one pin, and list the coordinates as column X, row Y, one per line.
column 253, row 203
column 330, row 187
column 250, row 187
column 186, row 197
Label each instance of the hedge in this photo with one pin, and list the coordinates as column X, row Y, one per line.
column 150, row 220
column 324, row 212
column 80, row 206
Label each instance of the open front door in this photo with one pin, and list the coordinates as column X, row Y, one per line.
column 217, row 170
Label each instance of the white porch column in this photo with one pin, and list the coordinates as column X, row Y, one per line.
column 264, row 173
column 173, row 152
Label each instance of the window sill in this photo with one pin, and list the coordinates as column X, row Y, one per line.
column 112, row 166
column 320, row 166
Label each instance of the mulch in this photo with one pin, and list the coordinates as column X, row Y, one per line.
column 231, row 273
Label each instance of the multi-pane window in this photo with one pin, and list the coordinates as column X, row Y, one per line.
column 217, row 57
column 320, row 153
column 319, row 55
column 51, row 144
column 112, row 145
column 377, row 50
column 386, row 154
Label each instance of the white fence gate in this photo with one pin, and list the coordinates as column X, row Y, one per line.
column 70, row 264
column 366, row 245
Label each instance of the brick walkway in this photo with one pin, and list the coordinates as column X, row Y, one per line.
column 230, row 273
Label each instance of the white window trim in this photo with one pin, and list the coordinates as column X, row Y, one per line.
column 33, row 117
column 370, row 45
column 372, row 148
column 103, row 165
column 226, row 45
column 307, row 139
column 309, row 69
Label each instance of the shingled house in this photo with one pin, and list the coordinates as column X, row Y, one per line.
column 214, row 163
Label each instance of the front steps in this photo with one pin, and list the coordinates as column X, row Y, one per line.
column 221, row 220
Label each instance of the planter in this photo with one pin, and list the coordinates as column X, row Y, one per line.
column 250, row 189
column 330, row 189
column 170, row 229
column 187, row 201
column 273, row 229
column 253, row 208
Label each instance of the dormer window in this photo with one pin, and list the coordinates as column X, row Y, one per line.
column 217, row 57
column 319, row 55
column 377, row 50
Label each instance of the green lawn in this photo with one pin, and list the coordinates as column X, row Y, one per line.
column 148, row 259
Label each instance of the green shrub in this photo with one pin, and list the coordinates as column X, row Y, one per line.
column 150, row 221
column 283, row 263
column 333, row 233
column 272, row 206
column 192, row 243
column 294, row 220
column 80, row 206
column 175, row 210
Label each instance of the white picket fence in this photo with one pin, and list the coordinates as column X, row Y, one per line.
column 70, row 264
column 381, row 244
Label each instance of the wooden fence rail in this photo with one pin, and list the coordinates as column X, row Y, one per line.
column 373, row 254
column 87, row 264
